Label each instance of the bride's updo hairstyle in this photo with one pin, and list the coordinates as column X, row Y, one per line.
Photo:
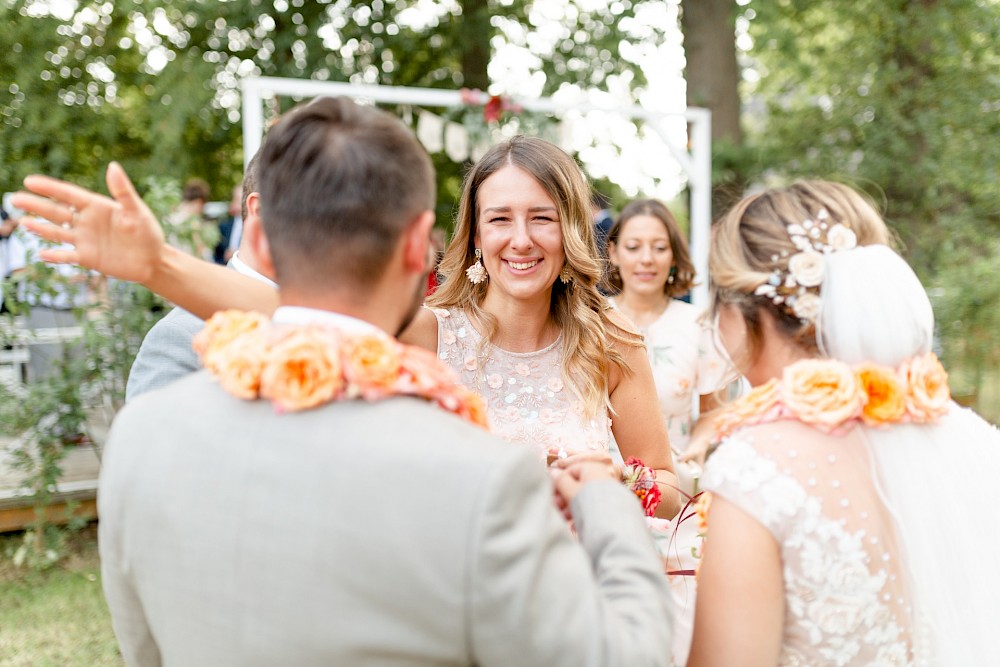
column 754, row 243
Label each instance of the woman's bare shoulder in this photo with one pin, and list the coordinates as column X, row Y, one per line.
column 422, row 331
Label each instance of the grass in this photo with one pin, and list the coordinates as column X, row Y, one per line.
column 57, row 617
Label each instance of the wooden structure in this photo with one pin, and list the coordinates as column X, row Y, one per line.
column 81, row 466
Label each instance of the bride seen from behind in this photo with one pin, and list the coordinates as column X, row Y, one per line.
column 830, row 535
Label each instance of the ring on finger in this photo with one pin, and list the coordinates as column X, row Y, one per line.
column 72, row 218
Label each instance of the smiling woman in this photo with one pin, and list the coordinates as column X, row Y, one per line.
column 520, row 318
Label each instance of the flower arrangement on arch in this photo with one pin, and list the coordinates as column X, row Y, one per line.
column 299, row 367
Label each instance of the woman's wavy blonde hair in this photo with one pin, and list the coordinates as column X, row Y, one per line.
column 751, row 241
column 577, row 308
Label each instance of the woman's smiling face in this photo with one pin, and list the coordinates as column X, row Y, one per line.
column 643, row 255
column 520, row 234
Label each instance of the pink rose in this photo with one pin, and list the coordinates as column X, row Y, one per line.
column 471, row 363
column 494, row 381
column 555, row 385
column 522, row 369
column 448, row 337
column 423, row 372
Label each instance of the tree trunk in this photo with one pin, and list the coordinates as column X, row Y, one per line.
column 713, row 77
column 476, row 33
column 712, row 72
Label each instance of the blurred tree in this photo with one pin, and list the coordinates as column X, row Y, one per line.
column 155, row 83
column 901, row 98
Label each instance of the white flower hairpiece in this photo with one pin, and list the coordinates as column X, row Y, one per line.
column 796, row 288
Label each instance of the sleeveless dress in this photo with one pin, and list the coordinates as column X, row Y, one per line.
column 846, row 598
column 527, row 401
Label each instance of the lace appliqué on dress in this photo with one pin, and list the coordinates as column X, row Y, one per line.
column 835, row 595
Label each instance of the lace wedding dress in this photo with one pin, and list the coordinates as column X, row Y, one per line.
column 888, row 536
column 846, row 598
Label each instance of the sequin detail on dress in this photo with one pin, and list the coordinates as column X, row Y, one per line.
column 527, row 401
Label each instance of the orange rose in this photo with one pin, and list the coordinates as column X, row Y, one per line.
column 302, row 370
column 701, row 512
column 371, row 364
column 221, row 329
column 473, row 407
column 927, row 393
column 747, row 409
column 822, row 392
column 886, row 396
column 238, row 366
column 423, row 372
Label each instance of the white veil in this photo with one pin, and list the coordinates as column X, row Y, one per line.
column 941, row 482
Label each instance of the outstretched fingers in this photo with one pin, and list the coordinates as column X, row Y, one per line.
column 47, row 230
column 54, row 256
column 62, row 192
column 121, row 188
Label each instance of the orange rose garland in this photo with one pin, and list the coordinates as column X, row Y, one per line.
column 821, row 392
column 298, row 367
column 886, row 397
column 222, row 329
column 302, row 370
column 831, row 396
column 927, row 394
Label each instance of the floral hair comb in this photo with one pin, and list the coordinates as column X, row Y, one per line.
column 796, row 288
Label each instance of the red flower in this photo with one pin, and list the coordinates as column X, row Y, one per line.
column 493, row 108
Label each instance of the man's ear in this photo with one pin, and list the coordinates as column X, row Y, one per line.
column 255, row 240
column 253, row 205
column 417, row 243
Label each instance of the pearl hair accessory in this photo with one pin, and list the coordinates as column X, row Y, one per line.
column 796, row 288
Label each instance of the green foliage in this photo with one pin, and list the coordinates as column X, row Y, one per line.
column 898, row 97
column 51, row 414
column 154, row 84
column 968, row 294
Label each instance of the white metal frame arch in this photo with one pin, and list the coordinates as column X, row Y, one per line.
column 696, row 162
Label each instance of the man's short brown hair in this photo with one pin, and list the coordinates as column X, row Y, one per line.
column 339, row 182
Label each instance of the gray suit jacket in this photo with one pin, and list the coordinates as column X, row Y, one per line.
column 388, row 533
column 165, row 354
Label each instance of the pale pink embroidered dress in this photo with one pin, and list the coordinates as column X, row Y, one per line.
column 527, row 401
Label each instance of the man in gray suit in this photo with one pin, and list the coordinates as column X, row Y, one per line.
column 357, row 533
column 166, row 354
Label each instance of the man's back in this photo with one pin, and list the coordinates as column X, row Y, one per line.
column 387, row 533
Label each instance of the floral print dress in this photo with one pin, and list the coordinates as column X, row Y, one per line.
column 527, row 401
